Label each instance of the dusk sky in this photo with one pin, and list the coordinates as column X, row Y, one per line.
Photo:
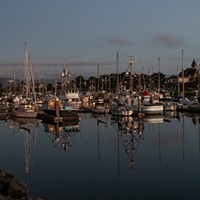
column 91, row 32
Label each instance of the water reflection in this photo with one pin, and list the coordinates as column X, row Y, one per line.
column 28, row 127
column 128, row 124
column 62, row 133
column 112, row 152
column 129, row 132
column 154, row 119
column 101, row 120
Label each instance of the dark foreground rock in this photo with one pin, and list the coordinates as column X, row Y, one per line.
column 11, row 188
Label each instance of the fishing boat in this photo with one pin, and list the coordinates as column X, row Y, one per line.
column 53, row 106
column 120, row 110
column 149, row 107
column 72, row 98
column 101, row 109
column 169, row 106
column 121, row 106
column 185, row 103
column 68, row 94
column 152, row 109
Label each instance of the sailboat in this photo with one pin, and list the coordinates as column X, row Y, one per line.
column 121, row 105
column 24, row 105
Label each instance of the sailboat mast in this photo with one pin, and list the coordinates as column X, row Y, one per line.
column 158, row 75
column 131, row 69
column 183, row 77
column 178, row 82
column 117, row 86
column 198, row 85
column 139, row 82
column 33, row 85
column 14, row 84
column 98, row 78
column 26, row 88
column 80, row 83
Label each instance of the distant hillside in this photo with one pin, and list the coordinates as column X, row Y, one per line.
column 4, row 80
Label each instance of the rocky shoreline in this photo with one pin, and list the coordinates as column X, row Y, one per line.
column 11, row 188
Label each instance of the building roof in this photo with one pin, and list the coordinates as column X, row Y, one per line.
column 194, row 64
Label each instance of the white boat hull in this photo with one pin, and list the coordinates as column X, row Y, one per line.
column 152, row 109
column 25, row 114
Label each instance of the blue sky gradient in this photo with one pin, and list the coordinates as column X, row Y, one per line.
column 90, row 32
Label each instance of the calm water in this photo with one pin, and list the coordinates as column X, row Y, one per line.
column 105, row 159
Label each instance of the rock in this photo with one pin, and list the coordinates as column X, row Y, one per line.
column 4, row 188
column 2, row 197
column 5, row 174
column 17, row 190
column 11, row 187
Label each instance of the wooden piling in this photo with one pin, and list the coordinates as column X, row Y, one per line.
column 140, row 114
column 57, row 107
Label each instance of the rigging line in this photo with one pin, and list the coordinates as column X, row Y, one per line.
column 126, row 150
column 49, row 137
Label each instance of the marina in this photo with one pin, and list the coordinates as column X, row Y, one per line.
column 99, row 100
column 114, row 136
column 69, row 143
column 66, row 143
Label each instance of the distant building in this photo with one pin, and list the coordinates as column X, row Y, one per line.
column 189, row 74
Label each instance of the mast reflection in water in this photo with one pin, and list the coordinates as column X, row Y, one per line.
column 101, row 157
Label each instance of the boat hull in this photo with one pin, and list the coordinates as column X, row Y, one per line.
column 25, row 114
column 152, row 109
column 170, row 106
column 101, row 110
column 121, row 111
